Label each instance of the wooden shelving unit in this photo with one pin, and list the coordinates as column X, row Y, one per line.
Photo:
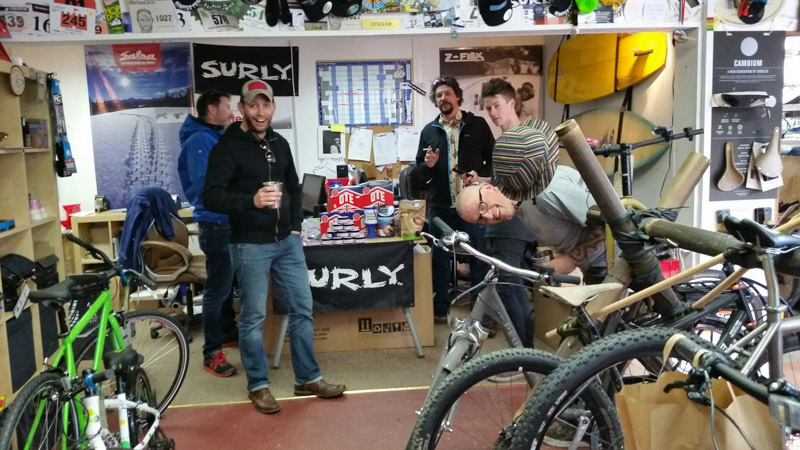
column 23, row 172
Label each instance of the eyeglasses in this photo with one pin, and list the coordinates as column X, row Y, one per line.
column 484, row 208
column 267, row 152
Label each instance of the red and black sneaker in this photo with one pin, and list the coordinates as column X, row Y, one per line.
column 217, row 365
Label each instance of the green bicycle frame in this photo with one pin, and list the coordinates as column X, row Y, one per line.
column 102, row 306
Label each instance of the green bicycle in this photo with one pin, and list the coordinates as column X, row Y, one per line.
column 148, row 351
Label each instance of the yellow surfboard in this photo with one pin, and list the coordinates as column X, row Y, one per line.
column 591, row 66
column 603, row 125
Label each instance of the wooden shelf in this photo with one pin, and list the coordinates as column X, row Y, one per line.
column 16, row 230
column 200, row 36
column 88, row 261
column 44, row 221
column 25, row 172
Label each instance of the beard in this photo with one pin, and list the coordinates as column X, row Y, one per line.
column 446, row 108
column 254, row 127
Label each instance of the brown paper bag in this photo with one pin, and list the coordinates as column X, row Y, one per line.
column 412, row 218
column 654, row 420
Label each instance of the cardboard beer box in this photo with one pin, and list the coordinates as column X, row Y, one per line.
column 376, row 195
column 341, row 222
column 345, row 199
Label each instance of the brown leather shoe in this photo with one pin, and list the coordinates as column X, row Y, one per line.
column 321, row 389
column 264, row 402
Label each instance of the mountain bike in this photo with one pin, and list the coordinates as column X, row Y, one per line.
column 760, row 354
column 60, row 406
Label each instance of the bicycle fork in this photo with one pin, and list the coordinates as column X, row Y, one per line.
column 95, row 408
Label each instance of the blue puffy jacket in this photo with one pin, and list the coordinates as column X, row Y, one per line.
column 197, row 138
column 146, row 205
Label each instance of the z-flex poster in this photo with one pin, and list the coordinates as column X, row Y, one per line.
column 473, row 67
column 139, row 96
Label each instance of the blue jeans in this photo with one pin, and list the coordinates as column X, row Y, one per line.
column 285, row 263
column 442, row 261
column 218, row 314
column 515, row 298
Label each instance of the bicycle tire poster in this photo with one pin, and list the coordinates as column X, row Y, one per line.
column 139, row 96
column 752, row 63
column 473, row 67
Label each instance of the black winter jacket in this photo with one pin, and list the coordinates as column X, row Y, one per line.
column 475, row 145
column 237, row 167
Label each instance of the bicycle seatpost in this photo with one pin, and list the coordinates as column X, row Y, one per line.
column 644, row 264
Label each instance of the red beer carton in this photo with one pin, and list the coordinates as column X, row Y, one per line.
column 345, row 199
column 376, row 196
column 341, row 222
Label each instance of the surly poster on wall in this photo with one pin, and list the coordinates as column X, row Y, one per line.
column 227, row 68
column 473, row 67
column 747, row 89
column 139, row 96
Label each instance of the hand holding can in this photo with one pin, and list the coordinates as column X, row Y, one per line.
column 269, row 196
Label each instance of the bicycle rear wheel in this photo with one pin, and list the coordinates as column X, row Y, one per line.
column 475, row 407
column 161, row 341
column 35, row 418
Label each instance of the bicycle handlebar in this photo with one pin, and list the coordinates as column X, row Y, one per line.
column 713, row 243
column 440, row 224
column 115, row 268
column 666, row 136
column 456, row 238
column 715, row 363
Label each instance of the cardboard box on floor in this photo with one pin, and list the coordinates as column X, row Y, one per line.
column 548, row 313
column 371, row 328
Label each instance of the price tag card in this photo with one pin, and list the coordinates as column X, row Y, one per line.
column 217, row 20
column 23, row 298
column 152, row 16
column 184, row 20
column 297, row 23
column 39, row 19
column 68, row 19
column 16, row 18
column 254, row 19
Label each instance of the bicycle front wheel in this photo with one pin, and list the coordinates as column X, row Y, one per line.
column 162, row 343
column 35, row 418
column 475, row 407
column 635, row 356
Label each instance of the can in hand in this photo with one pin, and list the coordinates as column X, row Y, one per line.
column 279, row 186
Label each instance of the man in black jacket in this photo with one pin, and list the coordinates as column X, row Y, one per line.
column 265, row 241
column 455, row 149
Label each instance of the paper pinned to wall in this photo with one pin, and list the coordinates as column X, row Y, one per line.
column 360, row 146
column 328, row 167
column 407, row 143
column 385, row 146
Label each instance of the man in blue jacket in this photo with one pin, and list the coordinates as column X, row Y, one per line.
column 198, row 135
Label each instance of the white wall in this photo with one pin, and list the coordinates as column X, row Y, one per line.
column 68, row 62
column 655, row 100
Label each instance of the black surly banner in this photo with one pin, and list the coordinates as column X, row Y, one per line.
column 358, row 276
column 227, row 68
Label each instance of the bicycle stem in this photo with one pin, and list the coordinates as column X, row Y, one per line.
column 643, row 263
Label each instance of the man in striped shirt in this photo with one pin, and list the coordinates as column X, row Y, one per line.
column 551, row 200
